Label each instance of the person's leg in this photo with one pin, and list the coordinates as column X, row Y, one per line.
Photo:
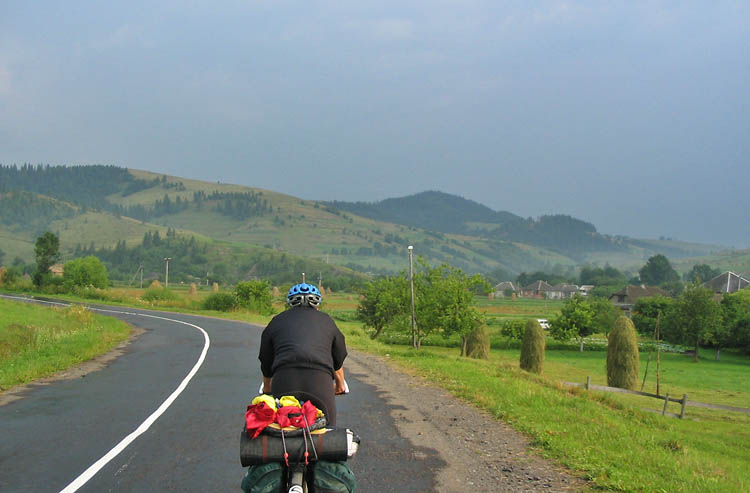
column 314, row 385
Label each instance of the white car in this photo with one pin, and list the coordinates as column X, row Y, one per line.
column 543, row 322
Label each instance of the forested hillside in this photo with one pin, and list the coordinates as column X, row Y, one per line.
column 446, row 213
column 107, row 205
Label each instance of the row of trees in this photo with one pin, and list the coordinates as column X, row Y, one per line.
column 696, row 318
column 443, row 303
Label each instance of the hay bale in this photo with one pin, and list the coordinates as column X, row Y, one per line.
column 276, row 292
column 491, row 296
column 478, row 343
column 532, row 349
column 193, row 289
column 622, row 355
column 215, row 287
column 155, row 284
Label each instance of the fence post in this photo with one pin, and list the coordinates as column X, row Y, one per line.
column 666, row 401
column 588, row 382
column 684, row 405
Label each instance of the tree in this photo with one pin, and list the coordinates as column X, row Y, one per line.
column 84, row 272
column 736, row 319
column 532, row 349
column 47, row 250
column 701, row 273
column 694, row 318
column 647, row 311
column 444, row 300
column 657, row 271
column 576, row 320
column 2, row 256
column 383, row 301
column 605, row 314
column 622, row 355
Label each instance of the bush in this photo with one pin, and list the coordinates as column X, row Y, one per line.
column 157, row 293
column 256, row 296
column 513, row 329
column 622, row 355
column 84, row 272
column 532, row 350
column 220, row 302
column 478, row 343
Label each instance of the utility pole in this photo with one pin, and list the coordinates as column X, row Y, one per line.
column 411, row 284
column 141, row 269
column 166, row 264
column 320, row 279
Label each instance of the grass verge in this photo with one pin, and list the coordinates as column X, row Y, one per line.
column 605, row 438
column 37, row 341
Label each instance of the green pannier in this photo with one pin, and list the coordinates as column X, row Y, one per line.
column 264, row 478
column 333, row 477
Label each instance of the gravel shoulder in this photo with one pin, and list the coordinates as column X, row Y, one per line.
column 482, row 454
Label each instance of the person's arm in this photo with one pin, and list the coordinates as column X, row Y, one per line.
column 267, row 385
column 339, row 385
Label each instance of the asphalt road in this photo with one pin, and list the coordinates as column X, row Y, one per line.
column 56, row 432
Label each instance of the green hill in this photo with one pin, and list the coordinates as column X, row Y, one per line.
column 106, row 205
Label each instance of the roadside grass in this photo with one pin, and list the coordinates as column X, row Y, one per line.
column 37, row 341
column 606, row 438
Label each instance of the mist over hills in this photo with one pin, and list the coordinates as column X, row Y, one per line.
column 108, row 206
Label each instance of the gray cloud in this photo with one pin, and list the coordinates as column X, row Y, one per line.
column 631, row 115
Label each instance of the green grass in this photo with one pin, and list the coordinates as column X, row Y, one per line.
column 39, row 341
column 605, row 438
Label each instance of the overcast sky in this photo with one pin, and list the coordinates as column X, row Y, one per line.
column 632, row 115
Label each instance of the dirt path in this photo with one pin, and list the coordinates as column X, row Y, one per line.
column 493, row 459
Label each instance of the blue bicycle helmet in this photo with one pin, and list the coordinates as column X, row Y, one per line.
column 303, row 294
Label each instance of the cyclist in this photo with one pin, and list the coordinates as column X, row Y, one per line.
column 302, row 350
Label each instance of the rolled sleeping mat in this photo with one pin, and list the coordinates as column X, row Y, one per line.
column 333, row 445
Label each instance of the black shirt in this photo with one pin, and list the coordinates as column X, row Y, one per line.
column 301, row 337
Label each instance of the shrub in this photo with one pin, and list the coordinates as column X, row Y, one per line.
column 478, row 343
column 622, row 355
column 84, row 272
column 158, row 293
column 220, row 302
column 513, row 329
column 532, row 350
column 255, row 295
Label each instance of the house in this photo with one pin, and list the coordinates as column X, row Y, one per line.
column 537, row 289
column 504, row 287
column 585, row 289
column 626, row 297
column 562, row 291
column 57, row 270
column 728, row 282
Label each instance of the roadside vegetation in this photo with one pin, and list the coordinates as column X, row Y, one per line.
column 38, row 341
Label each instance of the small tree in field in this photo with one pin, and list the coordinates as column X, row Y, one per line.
column 532, row 349
column 478, row 343
column 622, row 355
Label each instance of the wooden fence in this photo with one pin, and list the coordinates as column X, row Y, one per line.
column 684, row 402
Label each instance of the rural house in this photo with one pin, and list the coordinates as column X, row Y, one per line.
column 537, row 289
column 728, row 282
column 626, row 297
column 504, row 287
column 562, row 291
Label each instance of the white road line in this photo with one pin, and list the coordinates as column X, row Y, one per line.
column 96, row 466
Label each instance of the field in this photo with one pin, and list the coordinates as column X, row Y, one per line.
column 607, row 438
column 37, row 341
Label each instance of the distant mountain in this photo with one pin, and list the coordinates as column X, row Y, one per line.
column 432, row 210
column 447, row 213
